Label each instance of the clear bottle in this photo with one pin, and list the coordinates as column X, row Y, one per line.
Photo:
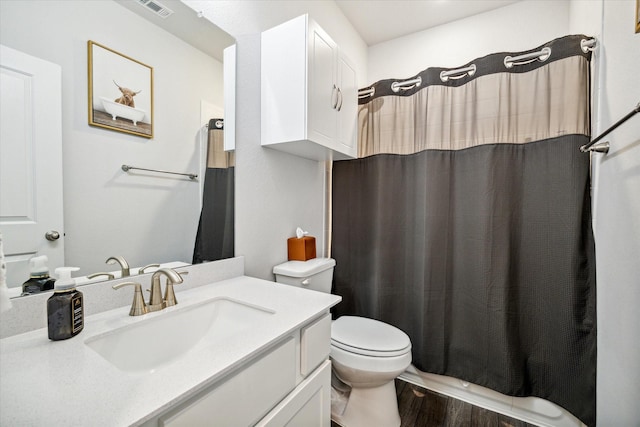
column 39, row 279
column 65, row 309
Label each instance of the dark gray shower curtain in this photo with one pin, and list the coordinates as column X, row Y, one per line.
column 477, row 242
column 215, row 236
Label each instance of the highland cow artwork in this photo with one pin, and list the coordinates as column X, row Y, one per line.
column 120, row 92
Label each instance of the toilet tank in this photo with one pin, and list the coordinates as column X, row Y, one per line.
column 315, row 274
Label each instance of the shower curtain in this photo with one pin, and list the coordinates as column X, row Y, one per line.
column 466, row 222
column 215, row 236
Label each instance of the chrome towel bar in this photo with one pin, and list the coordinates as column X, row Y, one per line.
column 127, row 168
column 604, row 147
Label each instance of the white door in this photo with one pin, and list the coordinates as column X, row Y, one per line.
column 30, row 162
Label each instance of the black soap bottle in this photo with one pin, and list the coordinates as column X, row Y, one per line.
column 65, row 310
column 39, row 279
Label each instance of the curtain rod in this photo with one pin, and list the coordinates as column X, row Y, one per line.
column 407, row 84
column 458, row 73
column 365, row 93
column 127, row 168
column 542, row 55
column 605, row 148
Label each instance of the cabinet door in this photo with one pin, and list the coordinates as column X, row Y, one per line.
column 322, row 87
column 243, row 398
column 309, row 405
column 347, row 108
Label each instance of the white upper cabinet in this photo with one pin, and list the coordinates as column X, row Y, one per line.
column 309, row 93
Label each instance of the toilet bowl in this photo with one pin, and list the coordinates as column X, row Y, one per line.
column 366, row 354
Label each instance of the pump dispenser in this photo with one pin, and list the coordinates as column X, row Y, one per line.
column 39, row 279
column 65, row 310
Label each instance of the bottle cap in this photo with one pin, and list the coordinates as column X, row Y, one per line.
column 38, row 266
column 65, row 281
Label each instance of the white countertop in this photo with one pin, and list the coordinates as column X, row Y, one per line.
column 43, row 382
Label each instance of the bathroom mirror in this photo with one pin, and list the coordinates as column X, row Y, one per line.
column 145, row 217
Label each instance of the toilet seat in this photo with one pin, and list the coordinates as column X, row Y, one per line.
column 368, row 337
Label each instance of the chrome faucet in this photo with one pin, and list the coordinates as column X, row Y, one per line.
column 156, row 301
column 124, row 265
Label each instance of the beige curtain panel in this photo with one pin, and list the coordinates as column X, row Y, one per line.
column 501, row 107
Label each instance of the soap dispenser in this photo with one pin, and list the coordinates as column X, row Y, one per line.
column 39, row 279
column 65, row 310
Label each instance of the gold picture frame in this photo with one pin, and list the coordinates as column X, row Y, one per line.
column 120, row 92
column 637, row 16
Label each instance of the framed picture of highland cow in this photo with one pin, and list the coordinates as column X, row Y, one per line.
column 120, row 92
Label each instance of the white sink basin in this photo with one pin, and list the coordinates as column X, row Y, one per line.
column 151, row 343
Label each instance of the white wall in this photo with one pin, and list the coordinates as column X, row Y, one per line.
column 617, row 218
column 520, row 26
column 242, row 18
column 275, row 192
column 107, row 212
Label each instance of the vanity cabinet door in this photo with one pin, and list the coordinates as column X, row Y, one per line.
column 245, row 397
column 315, row 344
column 309, row 405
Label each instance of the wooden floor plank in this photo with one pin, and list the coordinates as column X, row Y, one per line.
column 481, row 417
column 420, row 407
column 434, row 410
column 409, row 404
column 505, row 421
column 458, row 413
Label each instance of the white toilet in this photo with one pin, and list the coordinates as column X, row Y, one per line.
column 366, row 354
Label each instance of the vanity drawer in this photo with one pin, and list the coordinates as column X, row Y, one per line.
column 245, row 397
column 315, row 340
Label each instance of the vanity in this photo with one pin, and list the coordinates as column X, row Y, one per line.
column 235, row 351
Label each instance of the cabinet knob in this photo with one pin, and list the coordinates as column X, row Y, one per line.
column 339, row 100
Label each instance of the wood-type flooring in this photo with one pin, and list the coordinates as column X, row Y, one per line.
column 420, row 407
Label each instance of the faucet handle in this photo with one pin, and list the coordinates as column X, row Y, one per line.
column 142, row 270
column 138, row 305
column 169, row 294
column 109, row 275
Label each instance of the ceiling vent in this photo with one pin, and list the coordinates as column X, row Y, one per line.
column 156, row 7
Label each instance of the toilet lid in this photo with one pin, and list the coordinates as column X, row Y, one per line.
column 369, row 337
